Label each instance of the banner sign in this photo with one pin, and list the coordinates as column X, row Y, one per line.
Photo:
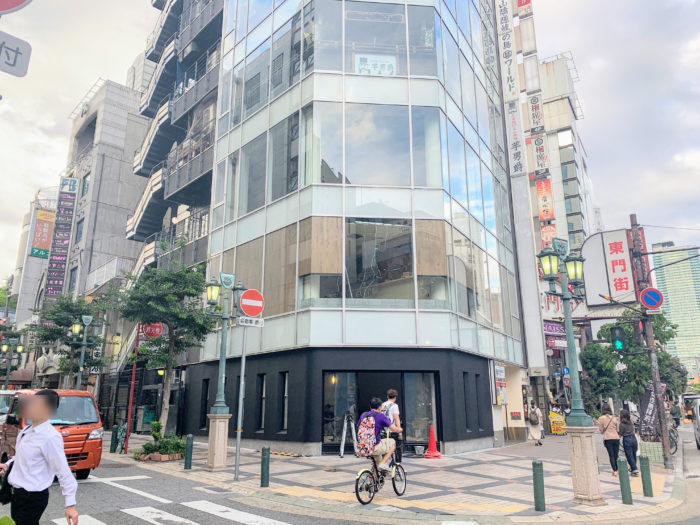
column 547, row 234
column 554, row 328
column 516, row 152
column 43, row 231
column 499, row 376
column 608, row 268
column 63, row 224
column 507, row 51
column 557, row 422
column 544, row 199
column 540, row 154
column 536, row 112
column 524, row 8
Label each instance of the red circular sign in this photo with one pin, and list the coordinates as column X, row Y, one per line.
column 7, row 6
column 152, row 330
column 252, row 303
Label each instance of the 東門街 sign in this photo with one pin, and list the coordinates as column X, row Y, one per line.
column 63, row 224
column 608, row 268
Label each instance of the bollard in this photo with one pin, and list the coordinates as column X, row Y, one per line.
column 646, row 477
column 115, row 440
column 538, row 484
column 624, row 476
column 265, row 467
column 188, row 452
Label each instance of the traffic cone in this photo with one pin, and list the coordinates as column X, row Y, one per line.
column 432, row 452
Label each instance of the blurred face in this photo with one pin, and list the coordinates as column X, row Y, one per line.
column 35, row 407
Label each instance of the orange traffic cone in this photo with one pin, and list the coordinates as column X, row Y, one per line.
column 432, row 452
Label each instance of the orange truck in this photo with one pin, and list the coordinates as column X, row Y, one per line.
column 78, row 421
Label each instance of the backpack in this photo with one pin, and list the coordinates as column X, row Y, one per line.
column 366, row 439
column 386, row 408
column 533, row 418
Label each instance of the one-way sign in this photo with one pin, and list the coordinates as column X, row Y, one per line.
column 14, row 55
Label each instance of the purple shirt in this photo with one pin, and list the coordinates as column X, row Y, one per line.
column 380, row 423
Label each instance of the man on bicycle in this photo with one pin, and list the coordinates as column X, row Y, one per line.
column 391, row 409
column 383, row 448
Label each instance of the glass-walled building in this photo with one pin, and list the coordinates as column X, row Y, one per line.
column 360, row 184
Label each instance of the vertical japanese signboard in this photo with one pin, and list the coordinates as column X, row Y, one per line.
column 608, row 268
column 540, row 154
column 544, row 200
column 43, row 232
column 516, row 146
column 507, row 50
column 58, row 259
column 547, row 234
column 536, row 112
column 524, row 8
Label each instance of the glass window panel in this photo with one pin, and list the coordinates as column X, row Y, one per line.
column 219, row 182
column 571, row 187
column 495, row 293
column 257, row 11
column 443, row 153
column 257, row 73
column 476, row 206
column 377, row 143
column 248, row 267
column 377, row 202
column 225, row 90
column 427, row 146
column 230, row 16
column 242, row 20
column 252, row 179
column 286, row 56
column 483, row 300
column 280, row 271
column 236, row 94
column 375, row 39
column 468, row 94
column 323, row 30
column 419, row 401
column 482, row 110
column 463, row 18
column 465, row 285
column 320, row 263
column 231, row 186
column 487, row 185
column 339, row 398
column 432, row 245
column 424, row 41
column 379, row 263
column 217, row 217
column 451, row 59
column 283, row 162
column 458, row 169
column 477, row 42
column 322, row 143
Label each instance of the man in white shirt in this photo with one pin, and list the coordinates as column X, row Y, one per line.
column 391, row 410
column 39, row 456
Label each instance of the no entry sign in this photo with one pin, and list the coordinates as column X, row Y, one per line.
column 7, row 6
column 651, row 298
column 252, row 303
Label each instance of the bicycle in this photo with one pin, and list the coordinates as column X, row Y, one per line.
column 369, row 481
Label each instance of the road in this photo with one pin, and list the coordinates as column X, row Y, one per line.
column 123, row 494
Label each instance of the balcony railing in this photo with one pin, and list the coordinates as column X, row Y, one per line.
column 156, row 42
column 198, row 70
column 181, row 166
column 184, row 242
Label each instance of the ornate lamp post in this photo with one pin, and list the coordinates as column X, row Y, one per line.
column 557, row 264
column 9, row 350
column 86, row 320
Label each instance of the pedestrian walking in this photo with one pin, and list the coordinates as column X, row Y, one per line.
column 534, row 419
column 629, row 440
column 676, row 414
column 608, row 425
column 39, row 456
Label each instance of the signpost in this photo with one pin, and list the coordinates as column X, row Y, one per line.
column 651, row 298
column 251, row 304
column 565, row 371
column 14, row 55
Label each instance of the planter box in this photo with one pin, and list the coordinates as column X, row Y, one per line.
column 156, row 456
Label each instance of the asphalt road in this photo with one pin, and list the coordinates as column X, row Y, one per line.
column 123, row 494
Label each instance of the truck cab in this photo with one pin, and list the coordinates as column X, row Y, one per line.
column 78, row 421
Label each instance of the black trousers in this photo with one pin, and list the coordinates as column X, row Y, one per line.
column 27, row 507
column 613, row 448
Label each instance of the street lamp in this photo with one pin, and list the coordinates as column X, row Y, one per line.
column 568, row 268
column 9, row 350
column 86, row 320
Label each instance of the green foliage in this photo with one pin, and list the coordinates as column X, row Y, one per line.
column 3, row 299
column 600, row 375
column 169, row 444
column 156, row 428
column 695, row 389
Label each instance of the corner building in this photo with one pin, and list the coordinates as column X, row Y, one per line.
column 360, row 183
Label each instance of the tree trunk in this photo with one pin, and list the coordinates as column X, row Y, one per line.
column 167, row 381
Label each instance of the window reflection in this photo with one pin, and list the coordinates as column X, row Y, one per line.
column 320, row 264
column 487, row 183
column 452, row 80
column 286, row 56
column 231, row 190
column 433, row 245
column 376, row 144
column 252, row 185
column 427, row 148
column 257, row 11
column 283, row 165
column 424, row 41
column 476, row 206
column 257, row 74
column 323, row 30
column 464, row 275
column 375, row 39
column 236, row 95
column 322, row 143
column 379, row 263
column 280, row 270
column 339, row 398
column 419, row 394
column 458, row 170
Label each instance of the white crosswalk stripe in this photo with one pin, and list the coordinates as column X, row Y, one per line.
column 230, row 514
column 84, row 519
column 156, row 516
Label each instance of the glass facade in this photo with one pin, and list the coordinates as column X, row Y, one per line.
column 361, row 171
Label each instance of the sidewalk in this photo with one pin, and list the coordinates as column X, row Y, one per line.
column 488, row 486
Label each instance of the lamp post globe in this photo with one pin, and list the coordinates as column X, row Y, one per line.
column 549, row 263
column 574, row 269
column 213, row 289
column 76, row 328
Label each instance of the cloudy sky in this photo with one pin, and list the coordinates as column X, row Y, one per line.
column 639, row 64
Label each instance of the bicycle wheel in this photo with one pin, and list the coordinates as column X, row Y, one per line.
column 365, row 487
column 399, row 480
column 673, row 442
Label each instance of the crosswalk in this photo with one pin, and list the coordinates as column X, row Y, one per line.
column 162, row 517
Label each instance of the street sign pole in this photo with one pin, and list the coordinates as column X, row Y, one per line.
column 239, row 419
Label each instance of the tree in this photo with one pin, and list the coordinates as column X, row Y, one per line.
column 600, row 378
column 55, row 328
column 172, row 296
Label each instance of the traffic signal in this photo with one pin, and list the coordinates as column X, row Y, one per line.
column 617, row 338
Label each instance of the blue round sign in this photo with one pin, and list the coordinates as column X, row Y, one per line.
column 651, row 298
column 566, row 370
column 557, row 373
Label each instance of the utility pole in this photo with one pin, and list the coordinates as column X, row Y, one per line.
column 641, row 272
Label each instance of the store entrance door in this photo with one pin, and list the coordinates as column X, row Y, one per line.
column 375, row 384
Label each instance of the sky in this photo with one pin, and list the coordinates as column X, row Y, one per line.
column 639, row 65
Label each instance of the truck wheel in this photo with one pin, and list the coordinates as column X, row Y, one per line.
column 83, row 473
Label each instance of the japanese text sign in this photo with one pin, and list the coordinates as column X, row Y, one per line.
column 608, row 268
column 14, row 55
column 43, row 230
column 516, row 146
column 507, row 50
column 58, row 258
column 544, row 199
column 536, row 112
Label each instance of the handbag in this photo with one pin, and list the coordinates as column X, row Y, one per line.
column 5, row 487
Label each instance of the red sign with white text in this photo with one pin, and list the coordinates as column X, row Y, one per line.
column 252, row 303
column 7, row 6
column 152, row 330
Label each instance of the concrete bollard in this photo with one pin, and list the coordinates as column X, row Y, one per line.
column 188, row 451
column 538, row 484
column 646, row 477
column 265, row 467
column 115, row 440
column 624, row 476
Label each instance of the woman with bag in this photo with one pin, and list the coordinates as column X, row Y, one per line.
column 608, row 426
column 629, row 440
column 535, row 423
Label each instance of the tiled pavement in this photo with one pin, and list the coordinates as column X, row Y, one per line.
column 488, row 485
